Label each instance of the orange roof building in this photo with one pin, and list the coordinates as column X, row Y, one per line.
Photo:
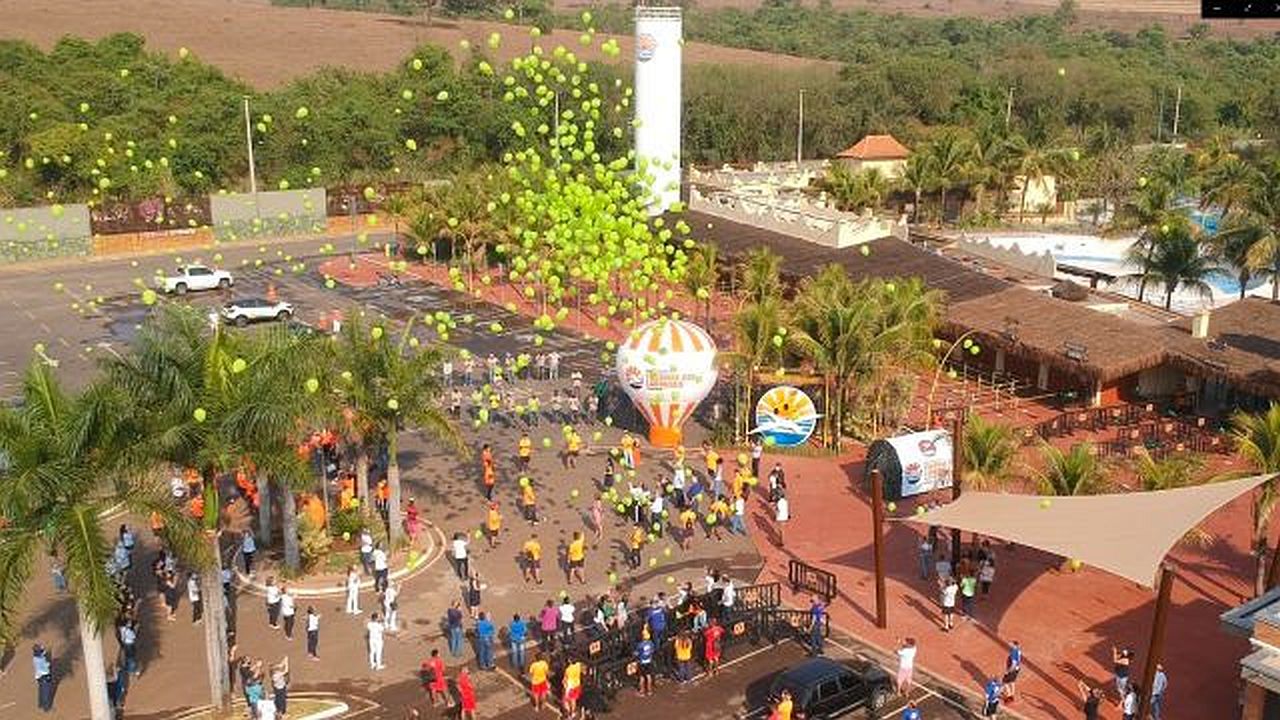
column 876, row 147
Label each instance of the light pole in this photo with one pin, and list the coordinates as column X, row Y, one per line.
column 800, row 131
column 248, row 141
column 938, row 372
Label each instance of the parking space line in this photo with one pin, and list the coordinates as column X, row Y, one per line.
column 928, row 692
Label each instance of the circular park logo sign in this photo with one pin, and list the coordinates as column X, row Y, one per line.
column 785, row 416
column 646, row 46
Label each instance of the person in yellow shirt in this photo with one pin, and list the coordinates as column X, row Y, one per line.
column 529, row 501
column 783, row 709
column 713, row 457
column 688, row 521
column 524, row 450
column 577, row 555
column 633, row 549
column 741, row 480
column 532, row 559
column 718, row 512
column 573, row 447
column 572, row 688
column 539, row 680
column 628, row 445
column 684, row 657
column 493, row 524
column 678, row 454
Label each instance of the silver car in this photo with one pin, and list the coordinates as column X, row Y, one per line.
column 243, row 311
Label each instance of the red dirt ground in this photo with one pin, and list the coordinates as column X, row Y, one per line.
column 1066, row 622
column 267, row 46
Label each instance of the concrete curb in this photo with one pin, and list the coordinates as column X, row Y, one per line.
column 434, row 552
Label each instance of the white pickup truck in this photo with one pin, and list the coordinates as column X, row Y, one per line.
column 196, row 277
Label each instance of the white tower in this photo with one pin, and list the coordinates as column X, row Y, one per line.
column 658, row 98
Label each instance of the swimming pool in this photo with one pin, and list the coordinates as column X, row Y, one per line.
column 1108, row 255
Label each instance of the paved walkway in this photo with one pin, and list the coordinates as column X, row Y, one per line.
column 1066, row 622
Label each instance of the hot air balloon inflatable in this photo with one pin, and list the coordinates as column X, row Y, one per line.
column 667, row 367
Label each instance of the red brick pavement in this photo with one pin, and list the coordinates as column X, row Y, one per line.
column 1067, row 622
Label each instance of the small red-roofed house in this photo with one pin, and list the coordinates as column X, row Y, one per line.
column 879, row 152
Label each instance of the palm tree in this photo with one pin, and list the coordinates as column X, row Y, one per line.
column 206, row 399
column 1178, row 261
column 463, row 210
column 701, row 276
column 1030, row 161
column 1071, row 473
column 1257, row 440
column 386, row 387
column 1149, row 212
column 917, row 176
column 755, row 325
column 761, row 275
column 62, row 472
column 1170, row 473
column 1228, row 183
column 1257, row 219
column 1234, row 243
column 855, row 191
column 949, row 157
column 989, row 450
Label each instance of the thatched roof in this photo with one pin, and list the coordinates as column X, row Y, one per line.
column 1243, row 346
column 1002, row 314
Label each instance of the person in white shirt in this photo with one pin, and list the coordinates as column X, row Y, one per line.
column 380, row 568
column 738, row 520
column 460, row 565
column 266, row 707
column 390, row 608
column 313, row 633
column 375, row 628
column 656, row 507
column 446, row 369
column 568, row 613
column 906, row 664
column 781, row 516
column 273, row 604
column 729, row 596
column 366, row 551
column 949, row 589
column 193, row 596
column 288, row 609
column 177, row 487
column 353, row 591
column 553, row 365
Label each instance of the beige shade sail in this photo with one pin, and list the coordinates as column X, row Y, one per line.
column 1127, row 534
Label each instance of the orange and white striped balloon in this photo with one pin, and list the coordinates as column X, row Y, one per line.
column 667, row 367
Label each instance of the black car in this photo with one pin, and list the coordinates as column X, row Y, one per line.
column 823, row 688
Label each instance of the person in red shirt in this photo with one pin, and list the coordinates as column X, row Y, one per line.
column 711, row 644
column 466, row 695
column 434, row 681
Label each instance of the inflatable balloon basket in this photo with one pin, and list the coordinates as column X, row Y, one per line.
column 665, row 437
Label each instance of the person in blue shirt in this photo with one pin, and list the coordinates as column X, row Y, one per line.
column 991, row 701
column 517, row 633
column 644, row 659
column 656, row 615
column 453, row 623
column 910, row 712
column 817, row 623
column 1012, row 667
column 484, row 642
column 43, row 666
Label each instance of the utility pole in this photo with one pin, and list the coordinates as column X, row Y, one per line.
column 1160, row 119
column 1177, row 114
column 800, row 131
column 1008, row 108
column 877, row 524
column 248, row 141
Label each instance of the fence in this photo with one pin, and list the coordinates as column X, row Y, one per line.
column 33, row 233
column 806, row 577
column 608, row 656
column 286, row 212
column 1137, row 429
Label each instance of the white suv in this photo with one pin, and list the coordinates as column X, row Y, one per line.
column 246, row 310
column 197, row 277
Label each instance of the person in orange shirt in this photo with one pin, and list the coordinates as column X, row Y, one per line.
column 346, row 499
column 539, row 680
column 196, row 506
column 532, row 551
column 486, row 455
column 782, row 711
column 493, row 524
column 490, row 479
column 576, row 554
column 382, row 498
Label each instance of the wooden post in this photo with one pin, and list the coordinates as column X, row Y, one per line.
column 957, row 471
column 1273, row 572
column 1155, row 647
column 877, row 522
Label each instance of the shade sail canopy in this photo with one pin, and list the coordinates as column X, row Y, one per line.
column 1127, row 534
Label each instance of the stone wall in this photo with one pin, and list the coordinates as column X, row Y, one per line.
column 797, row 217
